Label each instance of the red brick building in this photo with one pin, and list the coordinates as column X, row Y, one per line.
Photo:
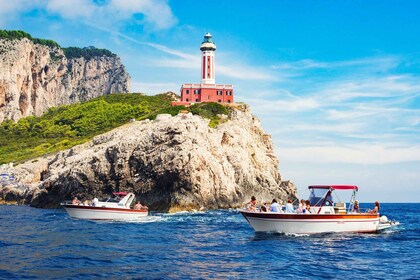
column 208, row 90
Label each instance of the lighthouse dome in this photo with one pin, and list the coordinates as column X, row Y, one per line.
column 208, row 44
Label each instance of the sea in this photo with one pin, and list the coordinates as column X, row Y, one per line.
column 48, row 244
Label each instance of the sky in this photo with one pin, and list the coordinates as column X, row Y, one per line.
column 335, row 83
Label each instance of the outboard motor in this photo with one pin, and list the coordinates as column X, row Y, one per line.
column 383, row 219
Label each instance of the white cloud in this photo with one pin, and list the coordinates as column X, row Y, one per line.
column 72, row 9
column 295, row 104
column 153, row 88
column 381, row 63
column 157, row 14
column 9, row 9
column 358, row 154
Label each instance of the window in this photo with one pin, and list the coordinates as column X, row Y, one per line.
column 196, row 91
column 220, row 101
column 228, row 101
column 187, row 91
column 228, row 93
column 219, row 92
column 187, row 100
column 196, row 100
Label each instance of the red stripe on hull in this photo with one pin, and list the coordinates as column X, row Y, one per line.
column 279, row 216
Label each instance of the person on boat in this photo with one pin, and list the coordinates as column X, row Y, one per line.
column 302, row 207
column 138, row 206
column 356, row 207
column 95, row 201
column 267, row 205
column 75, row 201
column 252, row 205
column 289, row 207
column 308, row 207
column 376, row 208
column 263, row 208
column 275, row 207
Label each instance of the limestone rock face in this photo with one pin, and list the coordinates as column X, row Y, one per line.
column 171, row 163
column 35, row 77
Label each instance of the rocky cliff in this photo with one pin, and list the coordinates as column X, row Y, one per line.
column 35, row 77
column 171, row 163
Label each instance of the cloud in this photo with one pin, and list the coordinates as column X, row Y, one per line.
column 72, row 9
column 382, row 63
column 156, row 12
column 153, row 14
column 358, row 154
column 9, row 9
column 296, row 104
column 348, row 116
column 152, row 88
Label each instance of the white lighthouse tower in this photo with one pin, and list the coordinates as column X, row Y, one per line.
column 207, row 63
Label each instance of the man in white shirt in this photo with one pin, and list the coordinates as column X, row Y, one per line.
column 289, row 207
column 275, row 207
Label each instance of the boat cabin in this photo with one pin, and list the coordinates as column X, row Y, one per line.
column 322, row 202
column 121, row 200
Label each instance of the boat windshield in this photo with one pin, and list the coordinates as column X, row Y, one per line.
column 317, row 196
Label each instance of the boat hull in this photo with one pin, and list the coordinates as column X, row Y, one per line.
column 104, row 213
column 311, row 223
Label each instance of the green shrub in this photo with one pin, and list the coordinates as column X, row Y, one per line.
column 19, row 34
column 88, row 52
column 209, row 111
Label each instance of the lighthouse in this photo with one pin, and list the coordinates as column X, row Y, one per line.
column 208, row 47
column 207, row 90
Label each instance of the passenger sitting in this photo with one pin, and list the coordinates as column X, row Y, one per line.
column 75, row 201
column 252, row 205
column 86, row 203
column 302, row 207
column 95, row 202
column 356, row 207
column 275, row 207
column 376, row 209
column 289, row 207
column 138, row 206
column 263, row 208
column 308, row 207
column 267, row 206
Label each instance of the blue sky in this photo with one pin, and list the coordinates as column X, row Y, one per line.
column 336, row 83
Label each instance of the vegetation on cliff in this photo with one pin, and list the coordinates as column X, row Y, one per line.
column 67, row 126
column 18, row 34
column 87, row 53
column 70, row 52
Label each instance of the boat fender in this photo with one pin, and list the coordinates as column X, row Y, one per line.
column 383, row 219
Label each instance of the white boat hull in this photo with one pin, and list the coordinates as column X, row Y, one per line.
column 104, row 213
column 311, row 223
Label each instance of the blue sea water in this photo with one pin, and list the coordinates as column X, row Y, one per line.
column 47, row 244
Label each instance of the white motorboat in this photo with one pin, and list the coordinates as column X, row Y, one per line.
column 324, row 216
column 117, row 208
